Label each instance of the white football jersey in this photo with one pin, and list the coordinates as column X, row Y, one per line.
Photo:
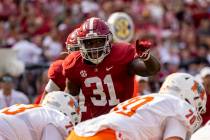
column 203, row 133
column 31, row 119
column 143, row 118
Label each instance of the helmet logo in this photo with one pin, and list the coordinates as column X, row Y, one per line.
column 196, row 88
column 71, row 103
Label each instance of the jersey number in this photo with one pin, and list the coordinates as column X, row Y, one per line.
column 129, row 107
column 100, row 90
column 15, row 109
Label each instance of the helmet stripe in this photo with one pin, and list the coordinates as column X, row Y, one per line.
column 91, row 25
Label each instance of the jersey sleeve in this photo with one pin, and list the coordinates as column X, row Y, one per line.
column 55, row 73
column 124, row 52
column 52, row 86
column 174, row 128
column 69, row 69
column 50, row 132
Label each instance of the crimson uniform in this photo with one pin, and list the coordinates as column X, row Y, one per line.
column 55, row 74
column 106, row 84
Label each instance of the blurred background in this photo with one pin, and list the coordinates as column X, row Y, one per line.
column 37, row 30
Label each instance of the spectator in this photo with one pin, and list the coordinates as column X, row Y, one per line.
column 143, row 85
column 8, row 95
column 27, row 51
column 52, row 46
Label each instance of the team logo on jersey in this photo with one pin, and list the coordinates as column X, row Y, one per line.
column 83, row 73
column 109, row 68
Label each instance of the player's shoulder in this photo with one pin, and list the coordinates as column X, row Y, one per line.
column 164, row 100
column 122, row 46
column 56, row 63
column 122, row 52
column 179, row 106
column 71, row 59
column 51, row 111
column 55, row 67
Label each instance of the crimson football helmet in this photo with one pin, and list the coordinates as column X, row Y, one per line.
column 94, row 39
column 71, row 41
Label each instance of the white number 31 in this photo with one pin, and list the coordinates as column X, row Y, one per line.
column 100, row 90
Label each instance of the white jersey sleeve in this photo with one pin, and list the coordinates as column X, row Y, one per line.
column 50, row 132
column 142, row 117
column 174, row 128
column 51, row 86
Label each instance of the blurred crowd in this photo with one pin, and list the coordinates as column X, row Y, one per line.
column 37, row 29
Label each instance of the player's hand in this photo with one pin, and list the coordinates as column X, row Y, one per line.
column 143, row 49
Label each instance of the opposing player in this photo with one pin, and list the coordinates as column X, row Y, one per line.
column 103, row 70
column 169, row 115
column 52, row 120
column 57, row 81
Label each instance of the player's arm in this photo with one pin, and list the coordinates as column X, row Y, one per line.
column 50, row 132
column 174, row 130
column 145, row 64
column 50, row 86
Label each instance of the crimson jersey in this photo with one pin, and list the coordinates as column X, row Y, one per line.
column 56, row 75
column 103, row 85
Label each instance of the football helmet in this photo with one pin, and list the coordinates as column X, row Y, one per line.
column 94, row 39
column 186, row 87
column 71, row 41
column 65, row 103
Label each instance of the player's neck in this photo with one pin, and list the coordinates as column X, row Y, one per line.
column 88, row 62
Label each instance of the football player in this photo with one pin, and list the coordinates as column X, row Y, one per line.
column 172, row 114
column 53, row 120
column 103, row 70
column 57, row 81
